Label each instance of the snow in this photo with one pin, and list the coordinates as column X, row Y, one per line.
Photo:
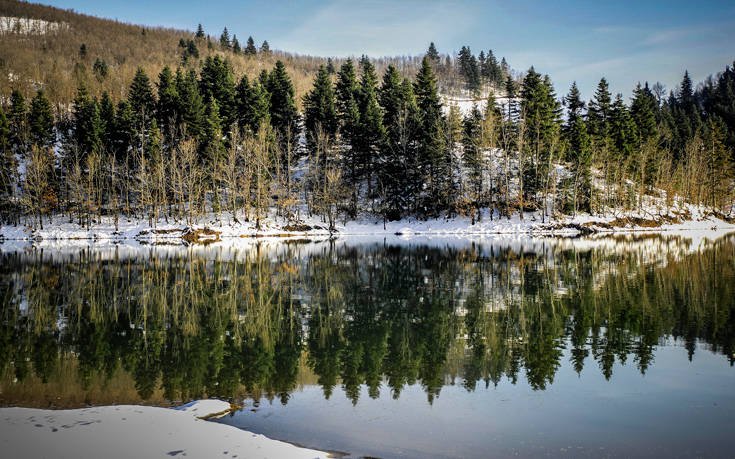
column 127, row 431
column 27, row 26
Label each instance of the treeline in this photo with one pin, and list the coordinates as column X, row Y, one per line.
column 189, row 327
column 206, row 142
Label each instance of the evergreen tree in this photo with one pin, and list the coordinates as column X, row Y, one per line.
column 643, row 109
column 433, row 157
column 168, row 103
column 622, row 129
column 433, row 54
column 348, row 112
column 265, row 48
column 371, row 131
column 107, row 117
column 398, row 172
column 124, row 131
column 236, row 45
column 472, row 156
column 253, row 105
column 200, row 32
column 41, row 121
column 217, row 81
column 212, row 147
column 250, row 49
column 284, row 116
column 224, row 39
column 192, row 108
column 87, row 124
column 330, row 66
column 18, row 121
column 142, row 102
column 319, row 109
column 8, row 166
column 579, row 151
column 598, row 115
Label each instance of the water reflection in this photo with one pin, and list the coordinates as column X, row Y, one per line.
column 159, row 325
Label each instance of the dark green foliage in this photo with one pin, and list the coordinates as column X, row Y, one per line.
column 250, row 47
column 41, row 121
column 644, row 111
column 432, row 153
column 265, row 48
column 622, row 129
column 398, row 173
column 469, row 69
column 433, row 54
column 236, row 45
column 86, row 124
column 200, row 31
column 284, row 116
column 224, row 39
column 217, row 81
column 192, row 108
column 599, row 113
column 18, row 121
column 320, row 115
column 579, row 152
column 168, row 103
column 125, row 129
column 142, row 102
column 253, row 105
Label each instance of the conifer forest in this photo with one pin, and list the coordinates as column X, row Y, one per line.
column 206, row 135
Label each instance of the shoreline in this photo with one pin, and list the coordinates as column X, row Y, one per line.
column 136, row 431
column 219, row 230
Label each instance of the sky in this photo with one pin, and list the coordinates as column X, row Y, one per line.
column 571, row 40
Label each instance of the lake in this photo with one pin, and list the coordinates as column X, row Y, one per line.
column 385, row 347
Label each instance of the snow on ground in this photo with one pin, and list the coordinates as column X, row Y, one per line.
column 129, row 431
column 698, row 219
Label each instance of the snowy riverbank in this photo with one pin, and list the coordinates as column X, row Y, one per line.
column 688, row 218
column 127, row 431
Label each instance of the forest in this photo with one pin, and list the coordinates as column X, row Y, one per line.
column 207, row 135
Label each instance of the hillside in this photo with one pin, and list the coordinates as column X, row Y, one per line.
column 56, row 49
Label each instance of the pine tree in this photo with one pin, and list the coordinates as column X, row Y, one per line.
column 598, row 115
column 579, row 151
column 371, row 132
column 319, row 109
column 433, row 54
column 8, row 167
column 191, row 109
column 124, row 131
column 284, row 116
column 253, row 105
column 265, row 48
column 87, row 124
column 236, row 45
column 622, row 128
column 167, row 110
column 41, row 121
column 18, row 121
column 200, row 32
column 224, row 39
column 643, row 109
column 348, row 112
column 472, row 157
column 217, row 81
column 107, row 117
column 330, row 66
column 250, row 49
column 142, row 102
column 433, row 158
column 398, row 174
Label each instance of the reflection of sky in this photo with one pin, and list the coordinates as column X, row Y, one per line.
column 678, row 408
column 627, row 41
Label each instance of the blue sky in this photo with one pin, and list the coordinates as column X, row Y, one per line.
column 583, row 40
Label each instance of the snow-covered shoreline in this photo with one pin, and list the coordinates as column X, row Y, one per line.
column 223, row 228
column 130, row 431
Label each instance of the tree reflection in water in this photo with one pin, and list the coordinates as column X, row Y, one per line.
column 92, row 328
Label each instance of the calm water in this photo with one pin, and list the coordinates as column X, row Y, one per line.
column 446, row 348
